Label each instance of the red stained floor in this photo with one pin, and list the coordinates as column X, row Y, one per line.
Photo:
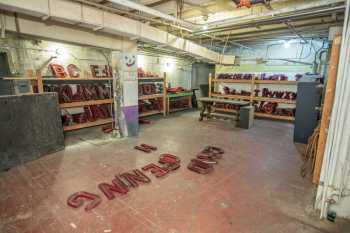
column 255, row 188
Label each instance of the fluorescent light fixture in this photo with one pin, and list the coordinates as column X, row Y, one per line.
column 286, row 44
column 140, row 61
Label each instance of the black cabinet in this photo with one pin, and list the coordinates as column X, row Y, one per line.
column 307, row 110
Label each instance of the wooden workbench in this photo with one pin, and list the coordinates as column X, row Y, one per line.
column 208, row 103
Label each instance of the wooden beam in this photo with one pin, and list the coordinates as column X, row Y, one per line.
column 327, row 107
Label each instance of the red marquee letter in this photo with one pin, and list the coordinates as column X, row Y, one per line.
column 76, row 200
column 156, row 170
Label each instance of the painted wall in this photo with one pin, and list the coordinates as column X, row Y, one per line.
column 178, row 72
column 25, row 54
column 272, row 58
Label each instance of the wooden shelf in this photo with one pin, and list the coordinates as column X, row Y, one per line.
column 147, row 97
column 149, row 113
column 271, row 116
column 277, row 82
column 87, row 124
column 86, row 103
column 242, row 97
column 77, row 79
column 179, row 109
column 19, row 78
column 225, row 110
column 154, row 96
column 232, row 81
column 150, row 78
column 274, row 100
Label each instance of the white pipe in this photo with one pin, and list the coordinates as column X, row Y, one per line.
column 273, row 13
column 150, row 11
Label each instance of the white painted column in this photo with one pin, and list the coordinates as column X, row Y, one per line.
column 334, row 189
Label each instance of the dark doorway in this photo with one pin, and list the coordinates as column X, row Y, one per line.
column 4, row 65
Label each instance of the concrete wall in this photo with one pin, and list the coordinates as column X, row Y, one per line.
column 179, row 72
column 26, row 53
column 200, row 73
column 272, row 53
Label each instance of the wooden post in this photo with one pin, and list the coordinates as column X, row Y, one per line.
column 252, row 88
column 327, row 107
column 39, row 80
column 210, row 82
column 165, row 98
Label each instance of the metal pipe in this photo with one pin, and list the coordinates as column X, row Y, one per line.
column 151, row 11
column 131, row 14
column 239, row 22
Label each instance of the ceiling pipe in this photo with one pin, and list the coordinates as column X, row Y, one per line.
column 273, row 18
column 131, row 14
column 282, row 12
column 152, row 12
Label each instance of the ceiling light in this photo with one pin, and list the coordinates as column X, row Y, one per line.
column 205, row 27
column 286, row 44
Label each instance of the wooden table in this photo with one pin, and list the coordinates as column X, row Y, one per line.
column 208, row 102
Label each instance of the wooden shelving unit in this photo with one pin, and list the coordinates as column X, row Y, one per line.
column 87, row 124
column 77, row 79
column 150, row 113
column 154, row 96
column 277, row 117
column 86, row 103
column 147, row 97
column 80, row 103
column 253, row 82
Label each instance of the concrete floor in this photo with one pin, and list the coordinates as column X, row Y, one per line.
column 255, row 188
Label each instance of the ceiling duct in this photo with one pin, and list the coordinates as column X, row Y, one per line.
column 154, row 13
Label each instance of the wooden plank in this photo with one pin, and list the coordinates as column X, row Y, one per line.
column 151, row 78
column 232, row 81
column 220, row 115
column 276, row 117
column 274, row 82
column 233, row 111
column 147, row 97
column 87, row 124
column 165, row 94
column 77, row 79
column 241, row 97
column 149, row 113
column 225, row 101
column 274, row 100
column 252, row 88
column 39, row 79
column 19, row 78
column 86, row 103
column 327, row 107
column 210, row 85
column 179, row 109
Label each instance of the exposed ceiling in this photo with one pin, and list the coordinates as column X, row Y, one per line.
column 219, row 23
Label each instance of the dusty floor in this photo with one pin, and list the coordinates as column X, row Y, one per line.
column 255, row 188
